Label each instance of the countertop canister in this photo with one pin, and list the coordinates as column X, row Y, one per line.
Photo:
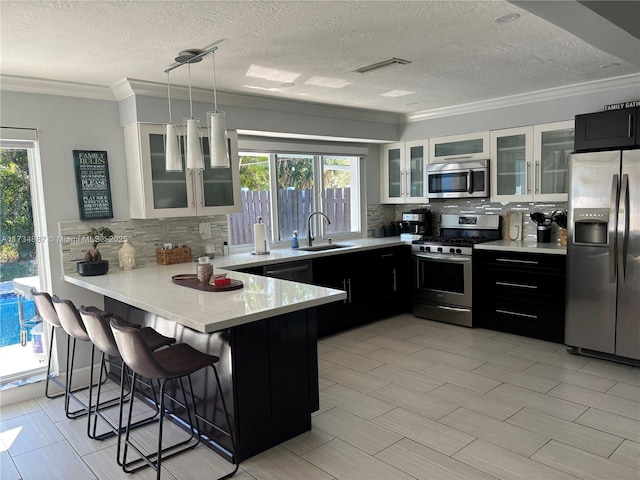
column 204, row 269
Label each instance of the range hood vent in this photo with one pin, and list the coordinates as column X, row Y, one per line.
column 374, row 67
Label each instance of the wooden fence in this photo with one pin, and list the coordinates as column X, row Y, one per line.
column 295, row 207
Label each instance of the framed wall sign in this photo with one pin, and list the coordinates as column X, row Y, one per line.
column 92, row 184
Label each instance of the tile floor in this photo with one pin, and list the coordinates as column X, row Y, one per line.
column 404, row 398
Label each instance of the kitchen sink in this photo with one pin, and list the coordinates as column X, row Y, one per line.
column 328, row 246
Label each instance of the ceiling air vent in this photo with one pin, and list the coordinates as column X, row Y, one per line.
column 374, row 67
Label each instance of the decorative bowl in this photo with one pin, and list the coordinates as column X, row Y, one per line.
column 91, row 269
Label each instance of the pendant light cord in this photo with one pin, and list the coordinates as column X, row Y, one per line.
column 215, row 91
column 190, row 100
column 169, row 96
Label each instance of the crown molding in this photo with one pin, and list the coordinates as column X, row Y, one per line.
column 586, row 88
column 131, row 86
column 128, row 87
column 12, row 83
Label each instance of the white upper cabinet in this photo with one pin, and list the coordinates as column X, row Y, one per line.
column 156, row 193
column 404, row 172
column 510, row 166
column 552, row 147
column 469, row 146
column 530, row 163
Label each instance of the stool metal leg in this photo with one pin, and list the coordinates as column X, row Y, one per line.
column 125, row 395
column 229, row 426
column 154, row 460
column 69, row 393
column 229, row 433
column 50, row 377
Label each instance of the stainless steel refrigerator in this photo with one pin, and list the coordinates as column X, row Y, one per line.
column 603, row 254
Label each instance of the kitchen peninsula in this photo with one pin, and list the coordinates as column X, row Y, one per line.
column 264, row 334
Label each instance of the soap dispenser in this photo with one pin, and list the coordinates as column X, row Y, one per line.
column 294, row 240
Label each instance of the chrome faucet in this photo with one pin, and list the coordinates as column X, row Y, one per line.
column 310, row 237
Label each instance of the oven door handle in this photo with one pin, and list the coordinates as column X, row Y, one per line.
column 444, row 258
column 453, row 309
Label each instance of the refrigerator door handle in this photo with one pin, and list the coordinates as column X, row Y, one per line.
column 612, row 228
column 623, row 225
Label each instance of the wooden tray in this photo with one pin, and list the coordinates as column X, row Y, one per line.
column 191, row 280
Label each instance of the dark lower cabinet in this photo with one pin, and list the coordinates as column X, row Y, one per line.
column 275, row 381
column 268, row 370
column 376, row 282
column 296, row 271
column 519, row 293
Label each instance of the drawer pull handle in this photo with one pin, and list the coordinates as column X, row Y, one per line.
column 507, row 312
column 507, row 284
column 513, row 260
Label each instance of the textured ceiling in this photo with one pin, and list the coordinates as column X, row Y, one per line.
column 459, row 54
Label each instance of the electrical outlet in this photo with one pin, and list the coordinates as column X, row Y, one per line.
column 205, row 230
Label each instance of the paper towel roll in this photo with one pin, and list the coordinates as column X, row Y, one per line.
column 260, row 237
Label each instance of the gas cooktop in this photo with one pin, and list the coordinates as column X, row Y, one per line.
column 462, row 241
column 459, row 233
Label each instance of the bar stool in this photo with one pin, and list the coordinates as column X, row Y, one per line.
column 99, row 331
column 175, row 363
column 72, row 324
column 44, row 305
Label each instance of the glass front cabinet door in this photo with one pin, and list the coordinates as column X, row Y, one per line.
column 468, row 146
column 553, row 145
column 156, row 193
column 404, row 171
column 511, row 158
column 530, row 164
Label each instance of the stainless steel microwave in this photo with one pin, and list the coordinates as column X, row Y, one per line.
column 463, row 179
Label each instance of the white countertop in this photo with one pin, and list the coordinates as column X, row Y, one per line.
column 238, row 261
column 150, row 288
column 524, row 247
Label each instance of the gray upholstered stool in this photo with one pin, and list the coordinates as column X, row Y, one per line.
column 45, row 309
column 99, row 331
column 72, row 324
column 169, row 364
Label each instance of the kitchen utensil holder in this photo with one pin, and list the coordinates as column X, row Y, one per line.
column 174, row 255
column 544, row 233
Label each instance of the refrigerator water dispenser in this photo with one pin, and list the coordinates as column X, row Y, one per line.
column 591, row 226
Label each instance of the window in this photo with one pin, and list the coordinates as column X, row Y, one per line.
column 303, row 183
column 23, row 258
column 255, row 198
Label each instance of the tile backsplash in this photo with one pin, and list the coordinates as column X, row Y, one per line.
column 380, row 215
column 147, row 235
column 144, row 235
column 478, row 206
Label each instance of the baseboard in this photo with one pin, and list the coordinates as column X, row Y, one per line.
column 34, row 388
column 602, row 355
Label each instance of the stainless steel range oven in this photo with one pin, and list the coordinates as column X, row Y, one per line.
column 442, row 267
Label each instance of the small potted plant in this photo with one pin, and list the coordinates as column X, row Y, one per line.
column 93, row 263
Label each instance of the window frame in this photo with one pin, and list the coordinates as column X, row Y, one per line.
column 358, row 199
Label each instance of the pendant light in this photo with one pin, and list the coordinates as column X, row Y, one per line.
column 193, row 143
column 218, row 150
column 173, row 159
column 195, row 160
